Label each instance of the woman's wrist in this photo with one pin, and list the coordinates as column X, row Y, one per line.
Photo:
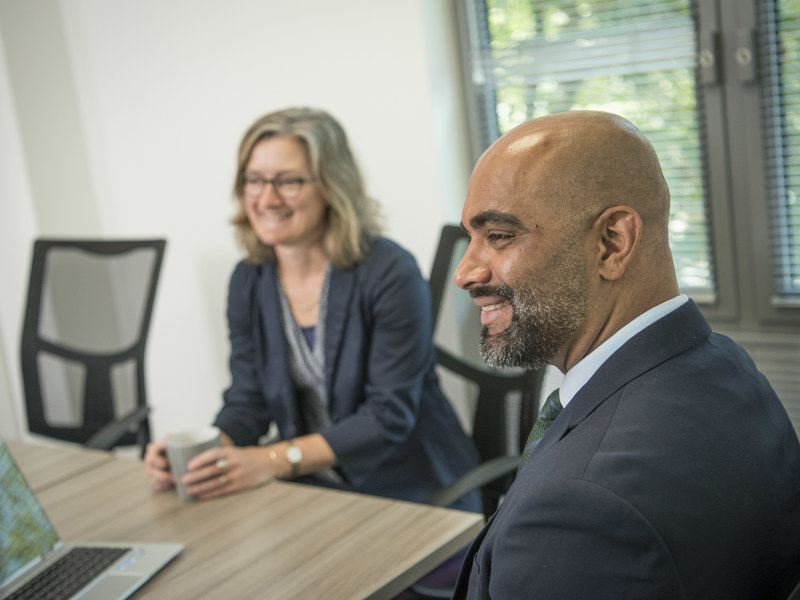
column 279, row 465
column 300, row 456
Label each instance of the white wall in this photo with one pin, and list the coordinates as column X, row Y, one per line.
column 121, row 119
column 17, row 228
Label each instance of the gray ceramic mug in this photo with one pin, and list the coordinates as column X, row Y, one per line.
column 183, row 446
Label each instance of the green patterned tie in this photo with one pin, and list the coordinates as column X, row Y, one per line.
column 551, row 409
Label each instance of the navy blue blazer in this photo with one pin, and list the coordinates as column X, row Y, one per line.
column 674, row 473
column 393, row 431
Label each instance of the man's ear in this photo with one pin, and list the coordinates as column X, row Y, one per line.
column 620, row 230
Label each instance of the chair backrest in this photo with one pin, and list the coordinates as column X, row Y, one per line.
column 84, row 335
column 498, row 407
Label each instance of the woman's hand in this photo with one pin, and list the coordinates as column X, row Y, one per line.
column 228, row 469
column 156, row 466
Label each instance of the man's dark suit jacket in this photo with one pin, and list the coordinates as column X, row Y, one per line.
column 394, row 433
column 674, row 473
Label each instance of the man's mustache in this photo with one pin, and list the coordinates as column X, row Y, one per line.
column 492, row 290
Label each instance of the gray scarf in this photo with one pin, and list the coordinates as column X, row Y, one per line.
column 308, row 366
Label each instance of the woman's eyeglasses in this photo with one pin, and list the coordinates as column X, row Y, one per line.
column 286, row 187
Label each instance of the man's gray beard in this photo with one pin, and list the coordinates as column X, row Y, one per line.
column 540, row 326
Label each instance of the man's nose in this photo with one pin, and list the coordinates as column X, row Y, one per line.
column 472, row 270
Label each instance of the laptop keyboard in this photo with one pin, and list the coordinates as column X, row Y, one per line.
column 69, row 574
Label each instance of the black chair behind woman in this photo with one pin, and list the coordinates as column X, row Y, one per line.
column 503, row 404
column 83, row 340
column 498, row 407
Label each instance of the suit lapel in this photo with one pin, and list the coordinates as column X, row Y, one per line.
column 340, row 299
column 675, row 333
column 267, row 316
column 664, row 339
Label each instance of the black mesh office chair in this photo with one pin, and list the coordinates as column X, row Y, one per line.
column 501, row 405
column 83, row 340
column 505, row 402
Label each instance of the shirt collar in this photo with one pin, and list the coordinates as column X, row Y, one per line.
column 577, row 376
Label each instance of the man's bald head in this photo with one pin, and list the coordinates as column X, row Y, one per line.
column 583, row 162
column 568, row 216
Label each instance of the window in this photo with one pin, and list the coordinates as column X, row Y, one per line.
column 779, row 54
column 715, row 85
column 684, row 72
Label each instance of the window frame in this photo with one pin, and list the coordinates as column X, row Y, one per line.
column 738, row 201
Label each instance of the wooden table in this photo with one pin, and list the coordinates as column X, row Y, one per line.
column 279, row 541
column 45, row 466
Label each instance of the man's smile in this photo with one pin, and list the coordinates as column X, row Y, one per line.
column 495, row 309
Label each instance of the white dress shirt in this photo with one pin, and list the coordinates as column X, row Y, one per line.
column 577, row 376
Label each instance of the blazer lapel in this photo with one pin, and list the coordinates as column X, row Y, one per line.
column 275, row 381
column 340, row 299
column 675, row 333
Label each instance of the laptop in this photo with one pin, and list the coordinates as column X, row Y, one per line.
column 31, row 551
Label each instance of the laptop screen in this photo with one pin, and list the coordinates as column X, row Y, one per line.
column 25, row 531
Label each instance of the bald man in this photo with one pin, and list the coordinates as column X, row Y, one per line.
column 672, row 471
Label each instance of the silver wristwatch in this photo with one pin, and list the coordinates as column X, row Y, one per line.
column 294, row 456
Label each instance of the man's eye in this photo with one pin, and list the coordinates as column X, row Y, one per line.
column 498, row 237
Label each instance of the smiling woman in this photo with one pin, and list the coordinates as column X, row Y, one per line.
column 305, row 144
column 322, row 342
column 287, row 213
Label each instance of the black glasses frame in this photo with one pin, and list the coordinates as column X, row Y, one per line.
column 250, row 179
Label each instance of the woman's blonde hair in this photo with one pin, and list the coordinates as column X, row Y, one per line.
column 353, row 218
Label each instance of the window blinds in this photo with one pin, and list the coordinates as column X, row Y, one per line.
column 779, row 53
column 632, row 57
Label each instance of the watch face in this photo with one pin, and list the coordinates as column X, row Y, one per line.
column 294, row 455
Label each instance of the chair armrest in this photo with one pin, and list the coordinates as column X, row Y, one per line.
column 475, row 479
column 108, row 435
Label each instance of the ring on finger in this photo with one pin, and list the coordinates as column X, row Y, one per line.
column 222, row 464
